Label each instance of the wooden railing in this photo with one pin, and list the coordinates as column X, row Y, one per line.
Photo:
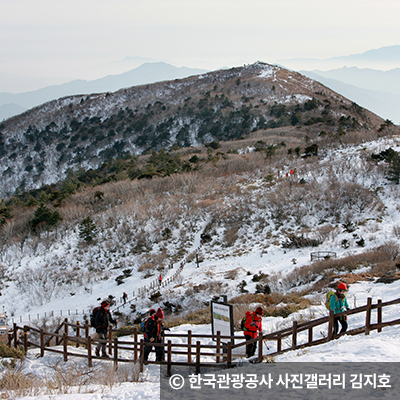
column 222, row 354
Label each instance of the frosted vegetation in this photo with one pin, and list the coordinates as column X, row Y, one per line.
column 236, row 202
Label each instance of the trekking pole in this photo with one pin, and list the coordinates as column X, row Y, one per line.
column 261, row 333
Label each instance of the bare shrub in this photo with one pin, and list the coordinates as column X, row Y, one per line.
column 391, row 249
column 230, row 236
column 246, row 298
column 324, row 232
column 239, row 311
column 234, row 273
column 396, row 231
column 16, row 384
column 197, row 317
column 147, row 267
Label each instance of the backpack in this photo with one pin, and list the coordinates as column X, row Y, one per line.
column 242, row 322
column 328, row 299
column 143, row 325
column 93, row 316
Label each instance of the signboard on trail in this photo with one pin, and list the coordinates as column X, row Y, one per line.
column 222, row 319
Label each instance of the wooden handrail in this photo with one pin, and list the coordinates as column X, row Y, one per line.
column 195, row 350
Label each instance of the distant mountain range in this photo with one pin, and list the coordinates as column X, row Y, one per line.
column 384, row 58
column 378, row 91
column 13, row 104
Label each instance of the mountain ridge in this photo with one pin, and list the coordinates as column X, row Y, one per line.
column 145, row 73
column 86, row 130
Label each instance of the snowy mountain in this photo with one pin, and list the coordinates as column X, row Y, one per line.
column 241, row 217
column 87, row 130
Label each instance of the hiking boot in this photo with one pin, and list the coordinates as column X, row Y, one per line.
column 97, row 353
column 105, row 356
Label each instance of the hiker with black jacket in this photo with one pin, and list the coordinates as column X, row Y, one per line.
column 155, row 334
column 103, row 319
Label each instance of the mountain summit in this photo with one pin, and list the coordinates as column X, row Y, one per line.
column 41, row 145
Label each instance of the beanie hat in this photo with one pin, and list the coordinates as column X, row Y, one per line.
column 152, row 311
column 160, row 313
column 259, row 311
column 105, row 303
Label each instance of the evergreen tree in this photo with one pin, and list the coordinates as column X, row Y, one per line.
column 393, row 173
column 45, row 217
column 87, row 230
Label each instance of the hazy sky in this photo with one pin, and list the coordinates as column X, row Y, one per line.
column 58, row 40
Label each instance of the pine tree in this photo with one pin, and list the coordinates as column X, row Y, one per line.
column 87, row 230
column 393, row 173
column 45, row 217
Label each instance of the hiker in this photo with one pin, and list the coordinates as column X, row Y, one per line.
column 155, row 334
column 338, row 303
column 151, row 316
column 124, row 296
column 103, row 319
column 160, row 280
column 252, row 326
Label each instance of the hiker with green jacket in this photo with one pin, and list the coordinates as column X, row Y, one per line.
column 338, row 303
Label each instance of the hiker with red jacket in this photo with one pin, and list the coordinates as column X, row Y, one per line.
column 103, row 319
column 252, row 326
column 155, row 334
column 338, row 303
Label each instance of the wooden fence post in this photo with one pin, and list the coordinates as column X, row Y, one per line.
column 26, row 329
column 310, row 335
column 379, row 317
column 294, row 335
column 109, row 344
column 15, row 332
column 330, row 324
column 229, row 355
column 42, row 343
column 66, row 326
column 189, row 342
column 115, row 353
column 135, row 347
column 65, row 347
column 260, row 347
column 218, row 359
column 87, row 328
column 89, row 349
column 169, row 358
column 78, row 333
column 368, row 316
column 198, row 357
column 141, row 354
column 279, row 343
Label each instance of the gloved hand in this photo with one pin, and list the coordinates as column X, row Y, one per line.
column 253, row 324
